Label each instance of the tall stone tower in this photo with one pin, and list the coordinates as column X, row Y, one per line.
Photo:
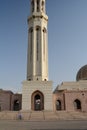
column 37, row 90
column 37, row 67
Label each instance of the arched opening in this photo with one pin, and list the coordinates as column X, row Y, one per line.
column 37, row 101
column 42, row 5
column 32, row 5
column 31, row 42
column 77, row 104
column 44, row 42
column 38, row 39
column 44, row 30
column 58, row 105
column 38, row 5
column 16, row 106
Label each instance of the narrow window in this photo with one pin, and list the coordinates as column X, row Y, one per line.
column 44, row 41
column 37, row 35
column 32, row 5
column 38, row 3
column 31, row 42
column 58, row 105
column 42, row 5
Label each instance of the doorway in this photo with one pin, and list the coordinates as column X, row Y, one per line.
column 58, row 105
column 37, row 101
column 16, row 105
column 77, row 104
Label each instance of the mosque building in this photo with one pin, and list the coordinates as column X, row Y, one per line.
column 37, row 90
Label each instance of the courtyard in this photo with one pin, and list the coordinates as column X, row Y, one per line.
column 43, row 120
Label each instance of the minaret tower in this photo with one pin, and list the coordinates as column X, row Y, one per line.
column 37, row 90
column 37, row 61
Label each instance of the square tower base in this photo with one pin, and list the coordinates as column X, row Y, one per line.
column 33, row 91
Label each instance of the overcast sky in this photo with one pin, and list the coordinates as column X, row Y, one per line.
column 67, row 40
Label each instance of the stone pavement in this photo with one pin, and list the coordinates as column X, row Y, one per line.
column 42, row 125
column 42, row 115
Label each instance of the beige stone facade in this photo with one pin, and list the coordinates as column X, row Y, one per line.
column 37, row 59
column 37, row 88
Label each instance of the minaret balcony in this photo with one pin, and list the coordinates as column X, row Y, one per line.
column 38, row 14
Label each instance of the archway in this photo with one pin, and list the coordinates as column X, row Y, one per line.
column 37, row 101
column 58, row 105
column 77, row 104
column 16, row 106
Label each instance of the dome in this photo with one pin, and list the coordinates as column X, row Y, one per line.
column 82, row 73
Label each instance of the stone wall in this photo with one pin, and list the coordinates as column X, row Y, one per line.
column 68, row 99
column 59, row 96
column 71, row 96
column 29, row 87
column 7, row 99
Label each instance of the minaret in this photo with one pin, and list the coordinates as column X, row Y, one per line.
column 37, row 90
column 37, row 59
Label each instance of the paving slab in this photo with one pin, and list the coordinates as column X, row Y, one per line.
column 42, row 125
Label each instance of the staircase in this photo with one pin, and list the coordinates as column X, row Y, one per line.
column 42, row 115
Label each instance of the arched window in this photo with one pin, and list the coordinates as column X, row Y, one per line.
column 58, row 105
column 32, row 5
column 43, row 6
column 31, row 41
column 38, row 5
column 77, row 104
column 44, row 41
column 37, row 40
column 37, row 101
column 16, row 106
column 44, row 30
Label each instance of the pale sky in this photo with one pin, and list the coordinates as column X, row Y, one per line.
column 67, row 40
